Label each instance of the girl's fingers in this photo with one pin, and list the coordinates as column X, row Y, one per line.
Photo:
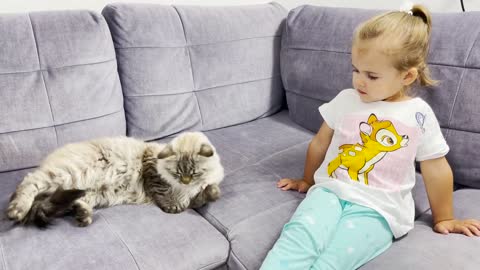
column 282, row 182
column 466, row 231
column 475, row 223
column 474, row 229
column 284, row 185
column 441, row 229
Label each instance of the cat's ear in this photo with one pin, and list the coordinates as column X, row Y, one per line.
column 206, row 150
column 166, row 152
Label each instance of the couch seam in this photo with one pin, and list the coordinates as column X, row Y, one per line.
column 43, row 78
column 471, row 49
column 315, row 50
column 218, row 263
column 120, row 238
column 225, row 229
column 73, row 122
column 193, row 45
column 238, row 260
column 303, row 95
column 453, row 66
column 187, row 47
column 2, row 250
column 206, row 89
column 19, row 169
column 56, row 68
column 454, row 103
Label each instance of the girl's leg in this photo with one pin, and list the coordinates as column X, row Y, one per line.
column 307, row 233
column 361, row 235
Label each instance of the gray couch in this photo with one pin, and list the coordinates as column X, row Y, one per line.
column 151, row 71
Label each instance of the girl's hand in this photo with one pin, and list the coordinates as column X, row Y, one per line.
column 469, row 227
column 295, row 184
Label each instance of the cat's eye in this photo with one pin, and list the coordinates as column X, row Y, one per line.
column 176, row 174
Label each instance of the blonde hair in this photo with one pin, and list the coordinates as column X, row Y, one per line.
column 406, row 36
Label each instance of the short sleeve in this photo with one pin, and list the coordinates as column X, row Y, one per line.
column 432, row 143
column 330, row 111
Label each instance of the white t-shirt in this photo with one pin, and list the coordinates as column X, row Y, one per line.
column 370, row 160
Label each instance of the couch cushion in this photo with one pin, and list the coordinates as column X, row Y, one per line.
column 121, row 237
column 58, row 84
column 316, row 65
column 196, row 68
column 424, row 249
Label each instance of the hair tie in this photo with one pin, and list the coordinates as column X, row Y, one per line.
column 407, row 7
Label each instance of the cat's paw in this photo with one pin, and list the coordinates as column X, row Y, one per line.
column 84, row 222
column 172, row 208
column 18, row 209
column 212, row 192
column 83, row 213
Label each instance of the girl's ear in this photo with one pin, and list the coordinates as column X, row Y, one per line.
column 410, row 76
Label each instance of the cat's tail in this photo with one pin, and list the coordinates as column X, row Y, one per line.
column 48, row 205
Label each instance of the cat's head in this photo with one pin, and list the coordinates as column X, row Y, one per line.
column 188, row 158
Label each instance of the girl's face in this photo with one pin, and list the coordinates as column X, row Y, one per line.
column 374, row 76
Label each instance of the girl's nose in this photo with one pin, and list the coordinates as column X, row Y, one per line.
column 360, row 83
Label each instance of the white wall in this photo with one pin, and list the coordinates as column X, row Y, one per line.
column 9, row 6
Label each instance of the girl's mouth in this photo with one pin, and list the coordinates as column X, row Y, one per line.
column 361, row 92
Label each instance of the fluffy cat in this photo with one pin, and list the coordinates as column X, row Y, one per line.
column 78, row 177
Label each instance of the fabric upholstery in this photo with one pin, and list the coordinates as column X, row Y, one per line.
column 58, row 84
column 196, row 68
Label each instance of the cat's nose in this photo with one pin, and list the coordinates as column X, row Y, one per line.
column 186, row 179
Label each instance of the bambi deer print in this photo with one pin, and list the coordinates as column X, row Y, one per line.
column 378, row 138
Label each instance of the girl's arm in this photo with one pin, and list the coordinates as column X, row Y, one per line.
column 315, row 156
column 438, row 179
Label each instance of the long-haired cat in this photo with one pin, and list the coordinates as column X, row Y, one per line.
column 78, row 177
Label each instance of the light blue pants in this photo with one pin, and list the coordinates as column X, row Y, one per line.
column 326, row 232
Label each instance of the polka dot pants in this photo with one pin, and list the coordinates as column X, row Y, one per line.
column 326, row 232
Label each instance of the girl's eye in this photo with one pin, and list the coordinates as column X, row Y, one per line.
column 373, row 78
column 354, row 70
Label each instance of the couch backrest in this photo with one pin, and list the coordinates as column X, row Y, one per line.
column 196, row 68
column 58, row 84
column 316, row 65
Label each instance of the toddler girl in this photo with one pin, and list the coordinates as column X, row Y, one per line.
column 360, row 167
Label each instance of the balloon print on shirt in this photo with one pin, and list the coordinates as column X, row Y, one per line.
column 378, row 137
